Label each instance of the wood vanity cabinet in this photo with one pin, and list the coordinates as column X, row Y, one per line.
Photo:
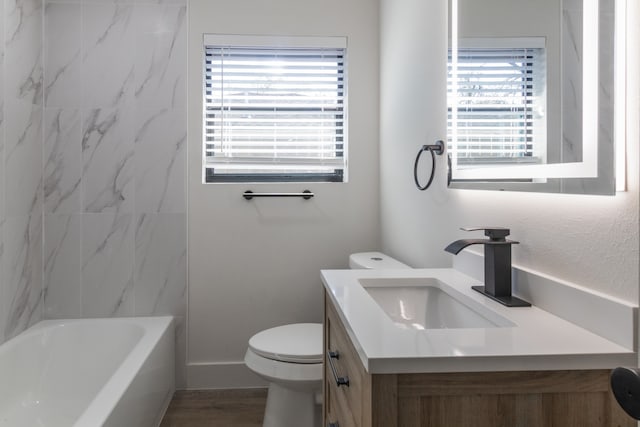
column 483, row 399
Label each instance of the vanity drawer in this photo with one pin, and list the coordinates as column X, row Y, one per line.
column 345, row 399
column 338, row 414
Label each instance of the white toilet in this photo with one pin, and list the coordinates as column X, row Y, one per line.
column 290, row 358
column 374, row 260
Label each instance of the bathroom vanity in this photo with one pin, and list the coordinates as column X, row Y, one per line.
column 399, row 355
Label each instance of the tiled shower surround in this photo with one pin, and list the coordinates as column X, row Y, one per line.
column 21, row 234
column 94, row 161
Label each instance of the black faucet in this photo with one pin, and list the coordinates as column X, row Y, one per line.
column 497, row 264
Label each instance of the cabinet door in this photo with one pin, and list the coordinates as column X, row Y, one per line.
column 346, row 382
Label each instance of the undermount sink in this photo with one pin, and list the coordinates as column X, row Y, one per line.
column 426, row 303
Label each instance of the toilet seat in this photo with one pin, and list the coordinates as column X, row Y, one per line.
column 290, row 359
column 295, row 375
column 295, row 343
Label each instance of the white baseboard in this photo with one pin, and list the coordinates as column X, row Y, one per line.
column 222, row 375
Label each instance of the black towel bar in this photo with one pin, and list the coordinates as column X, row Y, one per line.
column 306, row 194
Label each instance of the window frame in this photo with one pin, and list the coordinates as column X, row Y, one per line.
column 339, row 120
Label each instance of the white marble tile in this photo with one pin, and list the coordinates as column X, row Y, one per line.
column 2, row 176
column 2, row 62
column 161, row 58
column 161, row 275
column 2, row 190
column 607, row 6
column 4, row 291
column 108, row 54
column 2, row 137
column 161, row 264
column 107, row 57
column 107, row 151
column 107, row 265
column 606, row 60
column 606, row 123
column 122, row 2
column 170, row 2
column 2, row 27
column 160, row 161
column 2, row 170
column 571, row 86
column 606, row 93
column 167, row 2
column 23, row 44
column 23, row 158
column 572, row 5
column 62, row 160
column 22, row 278
column 62, row 266
column 62, row 49
column 159, row 18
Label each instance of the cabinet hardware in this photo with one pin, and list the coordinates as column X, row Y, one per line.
column 339, row 380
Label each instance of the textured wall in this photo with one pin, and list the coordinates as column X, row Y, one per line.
column 114, row 148
column 589, row 240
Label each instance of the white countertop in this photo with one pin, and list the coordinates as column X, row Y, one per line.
column 538, row 341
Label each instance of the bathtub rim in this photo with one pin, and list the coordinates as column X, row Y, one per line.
column 155, row 330
column 103, row 404
column 106, row 400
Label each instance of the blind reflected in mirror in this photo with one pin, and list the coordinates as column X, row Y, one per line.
column 531, row 95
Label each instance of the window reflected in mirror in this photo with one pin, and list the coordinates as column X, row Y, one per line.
column 531, row 95
column 501, row 102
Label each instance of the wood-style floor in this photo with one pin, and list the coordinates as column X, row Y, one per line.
column 213, row 408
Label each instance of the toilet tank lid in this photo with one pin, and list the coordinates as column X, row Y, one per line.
column 374, row 260
column 295, row 343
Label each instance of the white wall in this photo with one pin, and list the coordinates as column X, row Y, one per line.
column 588, row 240
column 254, row 265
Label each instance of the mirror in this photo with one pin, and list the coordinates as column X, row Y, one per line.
column 531, row 95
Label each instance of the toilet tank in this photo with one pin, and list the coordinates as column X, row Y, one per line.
column 374, row 260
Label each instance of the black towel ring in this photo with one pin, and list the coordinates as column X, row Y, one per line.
column 437, row 148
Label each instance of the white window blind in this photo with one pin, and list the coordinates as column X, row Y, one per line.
column 500, row 105
column 275, row 113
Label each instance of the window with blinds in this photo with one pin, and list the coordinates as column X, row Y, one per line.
column 501, row 99
column 274, row 109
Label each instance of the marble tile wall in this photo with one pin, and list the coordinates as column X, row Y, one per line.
column 572, row 60
column 21, row 112
column 114, row 165
column 572, row 29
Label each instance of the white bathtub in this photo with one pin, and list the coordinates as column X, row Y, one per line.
column 88, row 373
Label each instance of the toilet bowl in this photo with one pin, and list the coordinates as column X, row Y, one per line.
column 290, row 358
